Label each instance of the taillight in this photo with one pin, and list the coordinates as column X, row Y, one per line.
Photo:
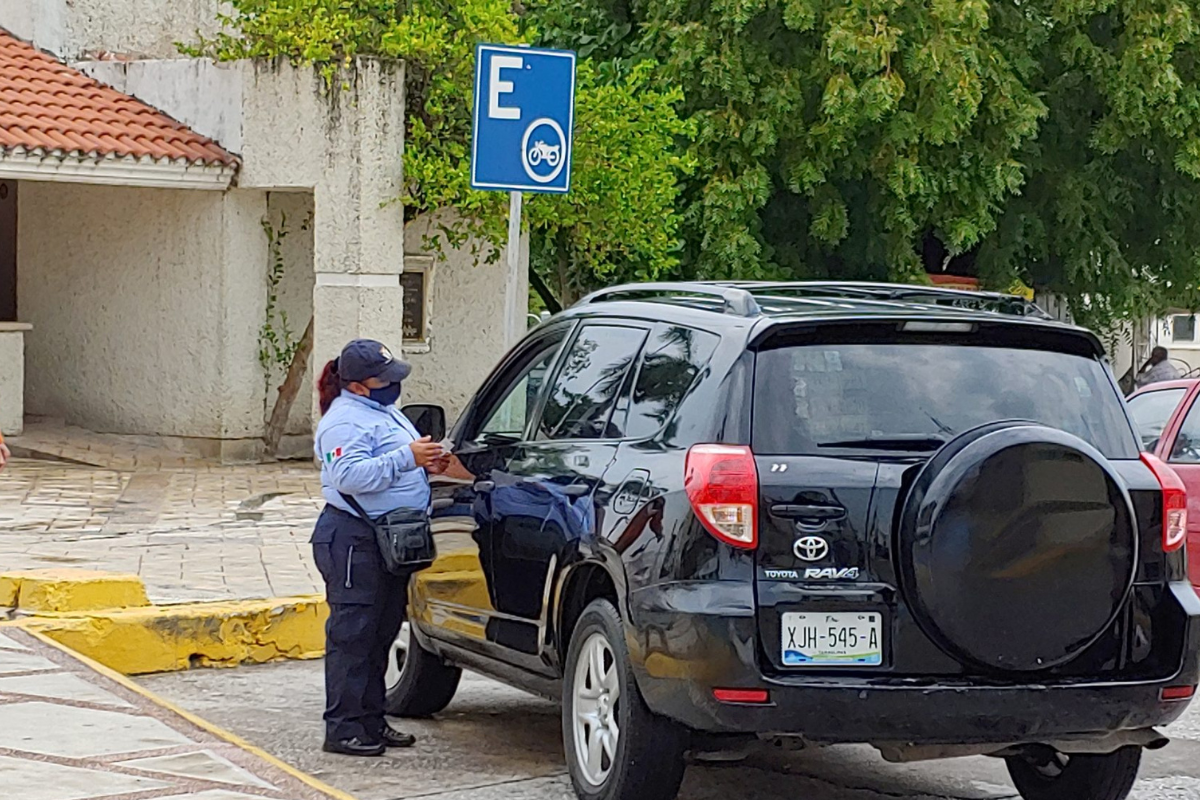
column 1174, row 503
column 722, row 485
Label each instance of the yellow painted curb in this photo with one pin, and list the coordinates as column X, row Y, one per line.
column 136, row 641
column 67, row 590
column 219, row 732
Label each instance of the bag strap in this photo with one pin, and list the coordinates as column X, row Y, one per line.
column 358, row 509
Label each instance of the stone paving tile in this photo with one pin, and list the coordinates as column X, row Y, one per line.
column 205, row 533
column 118, row 744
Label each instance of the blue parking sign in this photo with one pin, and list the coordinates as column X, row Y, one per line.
column 524, row 119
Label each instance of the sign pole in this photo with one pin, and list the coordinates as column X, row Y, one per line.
column 514, row 304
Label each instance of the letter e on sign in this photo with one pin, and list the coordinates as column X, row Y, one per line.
column 497, row 87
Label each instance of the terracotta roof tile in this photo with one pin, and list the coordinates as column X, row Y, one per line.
column 46, row 105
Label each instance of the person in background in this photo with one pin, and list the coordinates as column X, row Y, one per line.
column 4, row 454
column 1157, row 369
column 370, row 451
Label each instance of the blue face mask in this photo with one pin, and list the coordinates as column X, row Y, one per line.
column 387, row 396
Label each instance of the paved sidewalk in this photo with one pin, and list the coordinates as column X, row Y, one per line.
column 191, row 533
column 70, row 732
column 49, row 438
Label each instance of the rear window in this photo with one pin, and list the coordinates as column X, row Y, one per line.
column 830, row 399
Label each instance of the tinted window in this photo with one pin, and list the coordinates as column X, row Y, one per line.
column 585, row 390
column 1151, row 411
column 517, row 395
column 670, row 363
column 839, row 397
column 1186, row 449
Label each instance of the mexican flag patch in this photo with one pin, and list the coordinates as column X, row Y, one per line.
column 333, row 455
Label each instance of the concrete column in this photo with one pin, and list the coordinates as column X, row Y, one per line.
column 358, row 223
column 243, row 286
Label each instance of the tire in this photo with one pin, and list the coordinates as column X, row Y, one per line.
column 647, row 760
column 424, row 684
column 1084, row 777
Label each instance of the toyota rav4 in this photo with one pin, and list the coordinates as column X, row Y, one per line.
column 895, row 515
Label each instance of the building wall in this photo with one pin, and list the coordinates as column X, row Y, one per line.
column 145, row 306
column 139, row 28
column 466, row 321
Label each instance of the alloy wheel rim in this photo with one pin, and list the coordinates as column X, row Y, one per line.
column 397, row 657
column 595, row 704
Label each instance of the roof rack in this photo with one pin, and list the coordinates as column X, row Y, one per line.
column 736, row 300
column 995, row 302
column 754, row 298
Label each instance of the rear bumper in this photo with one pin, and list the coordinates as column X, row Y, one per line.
column 682, row 653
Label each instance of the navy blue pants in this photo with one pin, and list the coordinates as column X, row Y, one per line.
column 366, row 609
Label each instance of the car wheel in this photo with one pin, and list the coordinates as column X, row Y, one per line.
column 1051, row 775
column 616, row 748
column 418, row 682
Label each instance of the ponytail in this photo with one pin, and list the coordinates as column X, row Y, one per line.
column 329, row 385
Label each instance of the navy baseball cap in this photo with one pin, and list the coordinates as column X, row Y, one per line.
column 367, row 358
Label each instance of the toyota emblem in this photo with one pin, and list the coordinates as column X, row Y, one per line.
column 810, row 548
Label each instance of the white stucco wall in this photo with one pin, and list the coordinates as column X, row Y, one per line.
column 140, row 28
column 145, row 305
column 466, row 323
column 44, row 22
column 204, row 95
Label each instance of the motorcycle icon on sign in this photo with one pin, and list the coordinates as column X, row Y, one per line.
column 541, row 151
column 544, row 161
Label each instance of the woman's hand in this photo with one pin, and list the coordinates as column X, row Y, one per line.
column 439, row 465
column 425, row 451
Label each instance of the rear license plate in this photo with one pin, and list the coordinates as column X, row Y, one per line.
column 833, row 639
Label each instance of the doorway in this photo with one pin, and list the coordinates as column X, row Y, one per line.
column 8, row 251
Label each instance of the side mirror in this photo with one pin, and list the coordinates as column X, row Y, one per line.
column 429, row 420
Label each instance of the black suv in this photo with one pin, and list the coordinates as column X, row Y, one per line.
column 910, row 517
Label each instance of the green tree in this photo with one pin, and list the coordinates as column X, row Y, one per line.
column 619, row 221
column 1051, row 141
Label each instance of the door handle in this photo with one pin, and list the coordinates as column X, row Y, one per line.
column 442, row 503
column 792, row 511
column 483, row 487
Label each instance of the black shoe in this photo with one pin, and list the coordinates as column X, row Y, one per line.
column 353, row 747
column 395, row 738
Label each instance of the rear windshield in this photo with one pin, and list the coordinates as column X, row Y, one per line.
column 826, row 399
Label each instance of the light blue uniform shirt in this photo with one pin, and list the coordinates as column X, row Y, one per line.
column 364, row 452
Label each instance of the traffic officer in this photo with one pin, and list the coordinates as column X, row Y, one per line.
column 370, row 451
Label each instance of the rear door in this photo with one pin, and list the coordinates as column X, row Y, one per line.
column 844, row 418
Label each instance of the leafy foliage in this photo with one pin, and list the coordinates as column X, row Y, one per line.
column 619, row 221
column 1051, row 141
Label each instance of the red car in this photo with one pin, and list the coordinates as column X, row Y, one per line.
column 1168, row 419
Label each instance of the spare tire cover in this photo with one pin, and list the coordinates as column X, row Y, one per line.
column 1017, row 546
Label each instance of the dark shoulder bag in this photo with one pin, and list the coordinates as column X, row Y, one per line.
column 404, row 536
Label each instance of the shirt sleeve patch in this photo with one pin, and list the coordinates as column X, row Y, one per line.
column 333, row 455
